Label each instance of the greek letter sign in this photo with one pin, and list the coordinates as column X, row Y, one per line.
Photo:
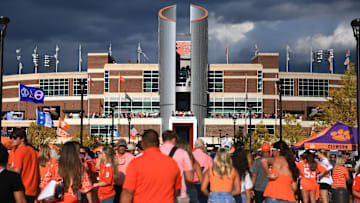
column 31, row 94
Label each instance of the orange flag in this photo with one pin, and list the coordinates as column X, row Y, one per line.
column 121, row 79
column 63, row 124
column 62, row 133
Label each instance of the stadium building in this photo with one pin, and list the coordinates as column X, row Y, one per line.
column 183, row 92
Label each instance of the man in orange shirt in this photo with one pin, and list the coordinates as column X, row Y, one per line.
column 152, row 177
column 25, row 162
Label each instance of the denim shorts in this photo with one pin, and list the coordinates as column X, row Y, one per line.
column 271, row 200
column 221, row 197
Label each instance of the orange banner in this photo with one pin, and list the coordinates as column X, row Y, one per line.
column 330, row 146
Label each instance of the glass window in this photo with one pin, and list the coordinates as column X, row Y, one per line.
column 287, row 86
column 234, row 105
column 77, row 86
column 139, row 105
column 313, row 88
column 216, row 81
column 55, row 87
column 259, row 81
column 106, row 81
column 150, row 81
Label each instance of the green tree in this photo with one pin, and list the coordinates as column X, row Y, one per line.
column 292, row 131
column 341, row 105
column 41, row 134
column 259, row 135
column 88, row 141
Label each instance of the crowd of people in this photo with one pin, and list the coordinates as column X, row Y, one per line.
column 174, row 172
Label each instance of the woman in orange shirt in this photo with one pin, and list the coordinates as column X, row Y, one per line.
column 223, row 178
column 107, row 171
column 309, row 169
column 44, row 159
column 356, row 187
column 70, row 169
column 340, row 175
column 282, row 173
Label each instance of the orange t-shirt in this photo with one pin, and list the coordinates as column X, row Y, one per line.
column 340, row 175
column 153, row 177
column 356, row 186
column 25, row 158
column 106, row 175
column 308, row 179
column 223, row 184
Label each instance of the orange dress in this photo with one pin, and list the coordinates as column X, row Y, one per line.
column 280, row 189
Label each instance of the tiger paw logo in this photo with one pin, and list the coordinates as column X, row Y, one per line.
column 182, row 48
column 341, row 135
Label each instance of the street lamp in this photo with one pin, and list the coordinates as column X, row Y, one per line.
column 355, row 24
column 279, row 87
column 82, row 84
column 250, row 109
column 3, row 25
column 234, row 118
column 220, row 136
column 112, row 126
column 129, row 120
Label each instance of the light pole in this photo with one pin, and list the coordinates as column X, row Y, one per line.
column 82, row 84
column 129, row 120
column 234, row 118
column 279, row 87
column 220, row 136
column 355, row 24
column 3, row 25
column 112, row 127
column 250, row 109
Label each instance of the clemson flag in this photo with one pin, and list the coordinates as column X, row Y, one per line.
column 63, row 124
column 62, row 133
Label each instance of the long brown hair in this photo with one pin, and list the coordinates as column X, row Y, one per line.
column 110, row 157
column 70, row 166
column 186, row 146
column 289, row 156
column 44, row 154
column 310, row 158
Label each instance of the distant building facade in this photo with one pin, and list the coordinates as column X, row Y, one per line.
column 182, row 92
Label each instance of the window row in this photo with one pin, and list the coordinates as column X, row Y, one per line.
column 143, row 105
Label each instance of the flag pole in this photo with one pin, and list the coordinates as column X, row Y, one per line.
column 80, row 59
column 119, row 102
column 287, row 58
column 311, row 59
column 227, row 54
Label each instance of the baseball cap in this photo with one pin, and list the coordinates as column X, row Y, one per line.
column 122, row 142
column 265, row 147
column 226, row 144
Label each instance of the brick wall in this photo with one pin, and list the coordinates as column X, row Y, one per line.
column 97, row 61
column 234, row 85
column 269, row 87
column 269, row 106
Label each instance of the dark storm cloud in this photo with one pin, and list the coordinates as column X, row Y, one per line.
column 95, row 24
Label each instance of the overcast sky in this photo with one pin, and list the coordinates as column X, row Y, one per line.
column 271, row 24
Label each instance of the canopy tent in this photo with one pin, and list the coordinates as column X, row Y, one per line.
column 337, row 136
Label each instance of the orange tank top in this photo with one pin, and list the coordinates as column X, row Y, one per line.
column 280, row 189
column 223, row 184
